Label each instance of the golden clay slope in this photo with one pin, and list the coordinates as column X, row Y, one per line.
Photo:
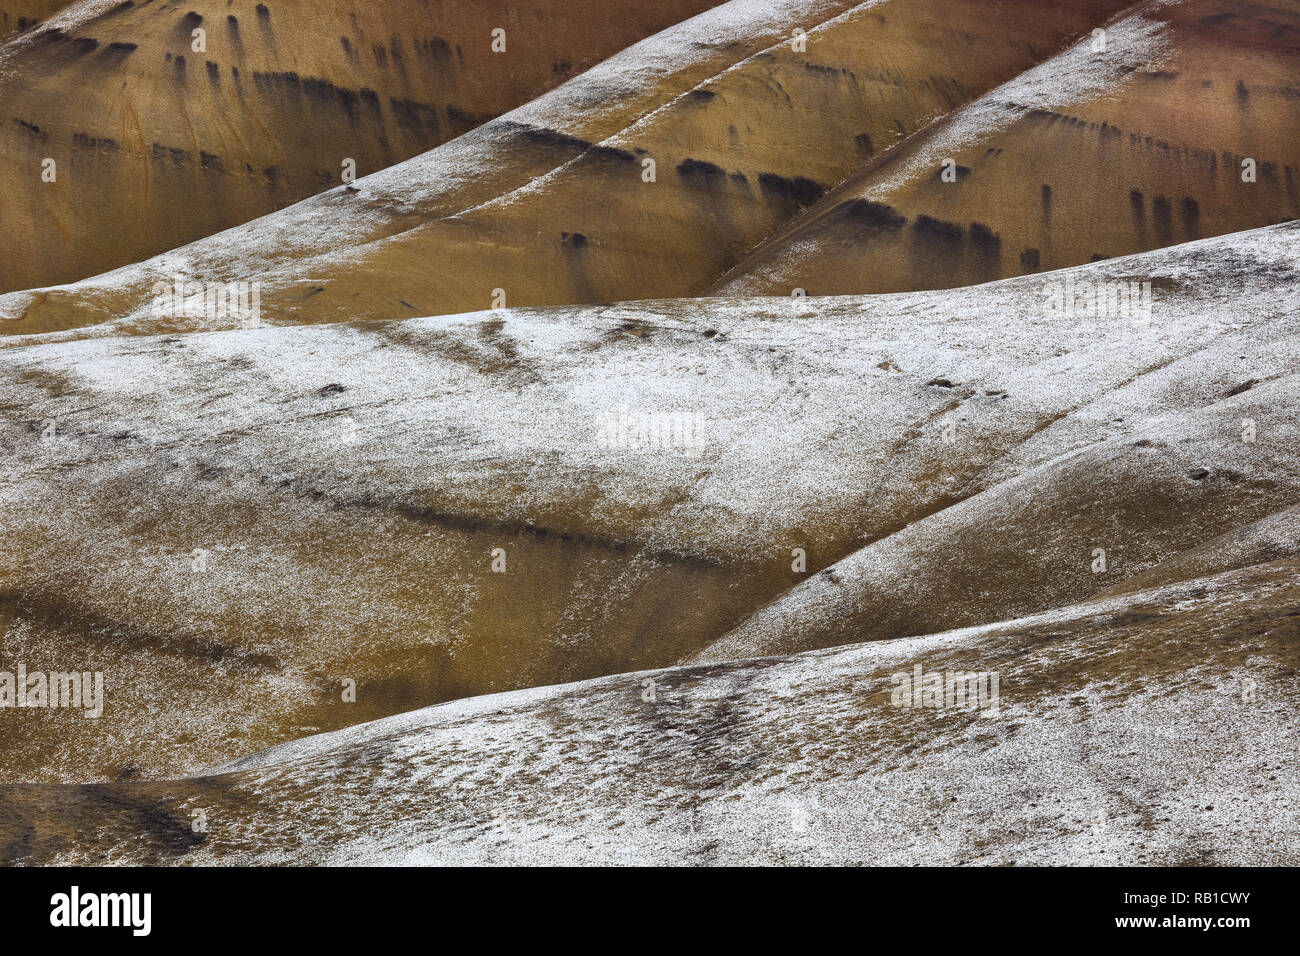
column 19, row 15
column 744, row 131
column 1073, row 162
column 157, row 144
column 231, row 525
column 1155, row 729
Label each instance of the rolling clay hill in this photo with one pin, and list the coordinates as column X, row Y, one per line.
column 530, row 518
column 234, row 525
column 159, row 135
column 554, row 203
column 1096, row 153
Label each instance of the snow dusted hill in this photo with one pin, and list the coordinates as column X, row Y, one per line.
column 233, row 526
column 1003, row 574
column 1157, row 728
